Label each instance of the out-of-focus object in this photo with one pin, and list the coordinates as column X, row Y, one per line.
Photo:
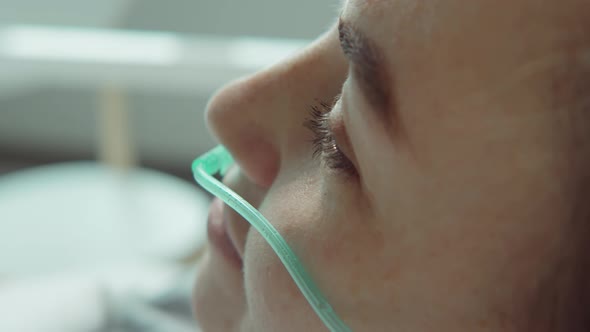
column 83, row 299
column 81, row 216
column 130, row 298
column 96, row 14
column 116, row 148
column 73, row 12
column 133, row 59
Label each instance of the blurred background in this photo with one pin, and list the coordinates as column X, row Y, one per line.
column 101, row 114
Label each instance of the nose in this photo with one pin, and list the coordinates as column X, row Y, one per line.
column 258, row 119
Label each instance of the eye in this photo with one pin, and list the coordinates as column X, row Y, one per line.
column 324, row 143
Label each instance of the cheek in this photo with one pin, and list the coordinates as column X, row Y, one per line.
column 272, row 296
column 339, row 249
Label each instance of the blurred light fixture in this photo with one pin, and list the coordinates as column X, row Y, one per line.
column 257, row 53
column 135, row 59
column 89, row 45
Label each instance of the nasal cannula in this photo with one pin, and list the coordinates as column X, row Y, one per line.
column 218, row 160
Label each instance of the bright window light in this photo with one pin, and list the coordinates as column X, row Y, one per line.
column 89, row 45
column 256, row 53
column 142, row 59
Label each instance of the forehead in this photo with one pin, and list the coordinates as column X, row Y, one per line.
column 385, row 8
column 388, row 19
column 451, row 59
column 486, row 36
column 553, row 12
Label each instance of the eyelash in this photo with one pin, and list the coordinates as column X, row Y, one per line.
column 324, row 143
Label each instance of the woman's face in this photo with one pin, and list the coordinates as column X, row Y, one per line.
column 436, row 197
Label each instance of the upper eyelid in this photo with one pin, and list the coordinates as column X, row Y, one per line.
column 340, row 132
column 326, row 140
column 369, row 68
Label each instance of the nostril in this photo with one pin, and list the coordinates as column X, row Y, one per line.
column 258, row 159
column 257, row 162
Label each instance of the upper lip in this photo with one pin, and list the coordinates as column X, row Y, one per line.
column 217, row 232
column 231, row 234
column 237, row 182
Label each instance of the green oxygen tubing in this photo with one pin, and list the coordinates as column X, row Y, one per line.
column 218, row 160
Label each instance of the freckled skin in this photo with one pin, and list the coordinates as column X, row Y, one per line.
column 469, row 221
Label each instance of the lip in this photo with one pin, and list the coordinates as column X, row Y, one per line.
column 218, row 236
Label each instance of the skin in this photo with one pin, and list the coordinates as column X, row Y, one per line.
column 466, row 212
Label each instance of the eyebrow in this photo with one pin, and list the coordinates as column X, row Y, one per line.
column 368, row 66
